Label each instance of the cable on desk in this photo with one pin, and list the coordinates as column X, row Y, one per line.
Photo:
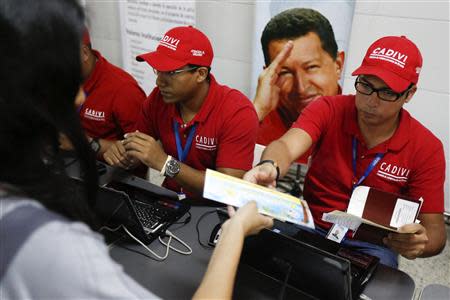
column 171, row 235
column 112, row 230
column 198, row 231
column 161, row 258
column 168, row 246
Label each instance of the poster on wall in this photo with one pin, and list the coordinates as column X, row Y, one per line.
column 143, row 24
column 312, row 68
column 339, row 14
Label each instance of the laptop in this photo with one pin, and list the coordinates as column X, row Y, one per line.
column 149, row 214
column 145, row 209
column 319, row 274
column 107, row 174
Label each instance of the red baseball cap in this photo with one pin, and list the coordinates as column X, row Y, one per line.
column 395, row 60
column 178, row 47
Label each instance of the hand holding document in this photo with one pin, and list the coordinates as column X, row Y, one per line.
column 237, row 192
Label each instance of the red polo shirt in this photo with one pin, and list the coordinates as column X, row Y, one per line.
column 225, row 135
column 413, row 163
column 113, row 101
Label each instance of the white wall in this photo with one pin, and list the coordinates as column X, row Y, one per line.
column 104, row 28
column 229, row 24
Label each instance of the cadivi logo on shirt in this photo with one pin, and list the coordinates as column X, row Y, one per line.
column 393, row 172
column 205, row 143
column 92, row 114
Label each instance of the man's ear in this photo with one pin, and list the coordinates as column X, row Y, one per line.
column 410, row 93
column 203, row 74
column 84, row 52
column 340, row 59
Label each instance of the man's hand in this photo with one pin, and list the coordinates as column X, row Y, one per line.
column 64, row 142
column 248, row 217
column 410, row 242
column 116, row 155
column 145, row 148
column 264, row 174
column 268, row 90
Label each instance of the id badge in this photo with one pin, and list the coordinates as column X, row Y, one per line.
column 181, row 196
column 337, row 233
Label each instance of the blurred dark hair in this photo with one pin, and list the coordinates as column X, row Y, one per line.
column 39, row 78
column 198, row 66
column 295, row 23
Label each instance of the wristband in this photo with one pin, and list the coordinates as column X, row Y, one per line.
column 273, row 164
column 163, row 170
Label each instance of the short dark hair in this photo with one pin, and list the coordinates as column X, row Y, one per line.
column 198, row 66
column 297, row 22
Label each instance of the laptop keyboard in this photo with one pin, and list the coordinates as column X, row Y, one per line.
column 150, row 216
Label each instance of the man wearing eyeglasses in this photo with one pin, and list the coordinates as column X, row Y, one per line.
column 200, row 123
column 369, row 139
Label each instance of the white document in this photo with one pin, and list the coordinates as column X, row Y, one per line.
column 237, row 192
column 404, row 213
column 358, row 200
column 343, row 219
column 350, row 221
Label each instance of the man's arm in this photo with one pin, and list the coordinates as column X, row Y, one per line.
column 138, row 146
column 419, row 240
column 65, row 144
column 219, row 278
column 104, row 145
column 294, row 143
column 194, row 180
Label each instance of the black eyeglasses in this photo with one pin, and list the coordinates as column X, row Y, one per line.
column 174, row 72
column 384, row 94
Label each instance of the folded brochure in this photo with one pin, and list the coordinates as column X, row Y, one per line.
column 237, row 192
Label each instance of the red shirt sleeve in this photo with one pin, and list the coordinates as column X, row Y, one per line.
column 238, row 138
column 428, row 176
column 127, row 106
column 316, row 117
column 146, row 121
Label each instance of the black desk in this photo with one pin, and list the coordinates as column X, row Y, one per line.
column 179, row 275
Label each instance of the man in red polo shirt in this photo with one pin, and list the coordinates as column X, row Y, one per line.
column 200, row 123
column 303, row 63
column 355, row 130
column 113, row 99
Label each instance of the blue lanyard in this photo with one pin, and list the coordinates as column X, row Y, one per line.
column 182, row 153
column 79, row 108
column 369, row 168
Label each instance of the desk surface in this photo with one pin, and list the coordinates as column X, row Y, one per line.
column 179, row 275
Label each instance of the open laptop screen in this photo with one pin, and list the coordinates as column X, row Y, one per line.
column 313, row 271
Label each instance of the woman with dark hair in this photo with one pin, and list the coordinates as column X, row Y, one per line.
column 47, row 250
